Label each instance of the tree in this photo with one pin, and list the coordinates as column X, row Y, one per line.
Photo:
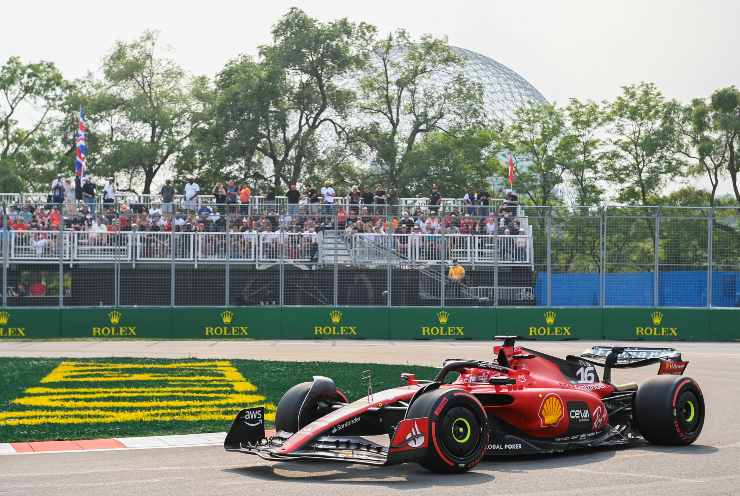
column 702, row 140
column 276, row 108
column 457, row 163
column 584, row 128
column 29, row 154
column 142, row 113
column 725, row 104
column 643, row 140
column 411, row 88
column 537, row 139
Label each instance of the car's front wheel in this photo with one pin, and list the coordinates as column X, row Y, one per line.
column 458, row 429
column 306, row 402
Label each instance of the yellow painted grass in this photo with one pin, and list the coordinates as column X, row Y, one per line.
column 86, row 392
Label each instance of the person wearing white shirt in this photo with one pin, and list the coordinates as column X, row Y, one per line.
column 328, row 193
column 192, row 190
column 109, row 192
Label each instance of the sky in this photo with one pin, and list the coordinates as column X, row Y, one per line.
column 586, row 49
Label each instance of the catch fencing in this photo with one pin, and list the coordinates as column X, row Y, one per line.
column 275, row 255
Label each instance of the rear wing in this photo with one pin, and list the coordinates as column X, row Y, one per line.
column 623, row 357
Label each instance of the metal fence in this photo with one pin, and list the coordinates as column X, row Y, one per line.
column 604, row 256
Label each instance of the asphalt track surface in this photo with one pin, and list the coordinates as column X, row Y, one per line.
column 711, row 466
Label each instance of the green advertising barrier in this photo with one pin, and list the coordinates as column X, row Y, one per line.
column 26, row 324
column 437, row 323
column 106, row 323
column 550, row 323
column 657, row 324
column 724, row 325
column 562, row 323
column 226, row 323
column 335, row 323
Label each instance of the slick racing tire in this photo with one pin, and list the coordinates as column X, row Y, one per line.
column 669, row 410
column 306, row 402
column 458, row 429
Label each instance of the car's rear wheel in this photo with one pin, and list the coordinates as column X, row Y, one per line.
column 306, row 402
column 669, row 410
column 458, row 430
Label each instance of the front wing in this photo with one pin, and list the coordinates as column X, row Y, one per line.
column 247, row 435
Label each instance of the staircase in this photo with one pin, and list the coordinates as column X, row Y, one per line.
column 333, row 249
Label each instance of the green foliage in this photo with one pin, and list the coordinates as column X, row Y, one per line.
column 537, row 139
column 399, row 103
column 141, row 113
column 584, row 150
column 456, row 163
column 29, row 152
column 644, row 139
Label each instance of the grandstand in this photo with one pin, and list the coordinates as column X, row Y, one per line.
column 130, row 253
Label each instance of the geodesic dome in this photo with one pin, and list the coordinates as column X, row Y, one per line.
column 503, row 89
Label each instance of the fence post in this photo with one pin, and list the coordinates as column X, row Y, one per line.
column 6, row 253
column 602, row 256
column 61, row 245
column 281, row 296
column 656, row 275
column 710, row 254
column 442, row 253
column 336, row 265
column 496, row 249
column 388, row 281
column 173, row 249
column 227, row 268
column 548, row 228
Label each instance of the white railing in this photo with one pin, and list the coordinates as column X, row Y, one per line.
column 39, row 245
column 251, row 247
column 276, row 246
column 101, row 246
column 479, row 249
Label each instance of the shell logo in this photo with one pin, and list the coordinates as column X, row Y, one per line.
column 551, row 410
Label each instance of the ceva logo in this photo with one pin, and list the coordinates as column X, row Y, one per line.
column 656, row 329
column 550, row 329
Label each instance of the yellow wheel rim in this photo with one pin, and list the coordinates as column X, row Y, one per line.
column 692, row 411
column 461, row 430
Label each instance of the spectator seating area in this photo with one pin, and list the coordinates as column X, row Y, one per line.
column 262, row 232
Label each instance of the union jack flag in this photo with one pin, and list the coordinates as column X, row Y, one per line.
column 81, row 146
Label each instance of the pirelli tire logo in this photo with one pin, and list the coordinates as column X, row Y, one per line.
column 336, row 327
column 7, row 330
column 227, row 328
column 656, row 328
column 116, row 329
column 550, row 327
column 445, row 327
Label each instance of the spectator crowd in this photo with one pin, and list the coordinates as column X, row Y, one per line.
column 233, row 208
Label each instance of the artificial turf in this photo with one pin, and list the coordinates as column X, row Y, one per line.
column 271, row 379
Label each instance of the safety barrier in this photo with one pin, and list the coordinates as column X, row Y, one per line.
column 556, row 323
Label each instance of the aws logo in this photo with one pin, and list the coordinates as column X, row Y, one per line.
column 335, row 329
column 10, row 332
column 443, row 329
column 656, row 329
column 227, row 329
column 114, row 329
column 550, row 329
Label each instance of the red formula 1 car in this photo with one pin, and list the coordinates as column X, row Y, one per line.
column 522, row 402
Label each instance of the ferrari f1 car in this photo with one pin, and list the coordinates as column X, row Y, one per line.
column 522, row 402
